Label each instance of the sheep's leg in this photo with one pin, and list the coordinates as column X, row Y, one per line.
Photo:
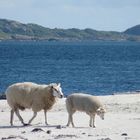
column 18, row 115
column 34, row 115
column 12, row 116
column 45, row 113
column 93, row 119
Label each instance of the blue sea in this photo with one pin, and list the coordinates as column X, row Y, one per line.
column 96, row 67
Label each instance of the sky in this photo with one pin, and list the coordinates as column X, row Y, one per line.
column 107, row 15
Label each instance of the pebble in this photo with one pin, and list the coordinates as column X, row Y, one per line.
column 49, row 132
column 37, row 130
column 124, row 134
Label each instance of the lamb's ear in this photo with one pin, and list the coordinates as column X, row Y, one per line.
column 104, row 108
column 101, row 110
column 98, row 110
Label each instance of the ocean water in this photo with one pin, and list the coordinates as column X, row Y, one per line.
column 99, row 68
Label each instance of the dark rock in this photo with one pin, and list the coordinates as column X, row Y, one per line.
column 37, row 130
column 105, row 139
column 124, row 134
column 49, row 132
column 13, row 137
column 65, row 136
column 83, row 133
column 90, row 135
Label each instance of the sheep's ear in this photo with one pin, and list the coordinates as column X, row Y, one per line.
column 52, row 87
column 58, row 84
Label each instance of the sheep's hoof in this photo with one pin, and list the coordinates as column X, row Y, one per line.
column 26, row 124
column 67, row 125
column 47, row 124
column 92, row 126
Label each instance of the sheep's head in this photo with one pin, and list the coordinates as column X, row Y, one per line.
column 101, row 111
column 57, row 90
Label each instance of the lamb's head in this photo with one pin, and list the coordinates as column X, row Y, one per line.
column 100, row 112
column 57, row 90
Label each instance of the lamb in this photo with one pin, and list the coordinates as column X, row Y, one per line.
column 31, row 95
column 85, row 103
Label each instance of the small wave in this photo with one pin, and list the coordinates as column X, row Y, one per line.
column 128, row 92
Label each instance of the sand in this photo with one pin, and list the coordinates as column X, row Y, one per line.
column 122, row 122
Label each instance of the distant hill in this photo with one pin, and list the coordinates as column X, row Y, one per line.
column 133, row 31
column 13, row 30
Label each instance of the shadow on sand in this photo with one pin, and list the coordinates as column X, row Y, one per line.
column 8, row 126
column 33, row 126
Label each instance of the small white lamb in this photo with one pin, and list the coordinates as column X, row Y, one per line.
column 85, row 103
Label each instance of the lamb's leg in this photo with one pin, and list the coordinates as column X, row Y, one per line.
column 90, row 121
column 45, row 113
column 34, row 115
column 72, row 121
column 18, row 115
column 69, row 120
column 11, row 117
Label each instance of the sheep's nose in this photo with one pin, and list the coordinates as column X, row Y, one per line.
column 61, row 96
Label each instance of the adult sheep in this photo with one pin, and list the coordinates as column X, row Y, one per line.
column 85, row 103
column 31, row 95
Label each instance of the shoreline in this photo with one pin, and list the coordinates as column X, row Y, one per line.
column 3, row 96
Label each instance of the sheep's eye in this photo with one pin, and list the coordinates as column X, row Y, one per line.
column 55, row 89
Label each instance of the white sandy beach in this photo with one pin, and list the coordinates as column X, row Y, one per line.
column 122, row 122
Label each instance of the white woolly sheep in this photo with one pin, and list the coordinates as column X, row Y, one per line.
column 31, row 95
column 85, row 103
